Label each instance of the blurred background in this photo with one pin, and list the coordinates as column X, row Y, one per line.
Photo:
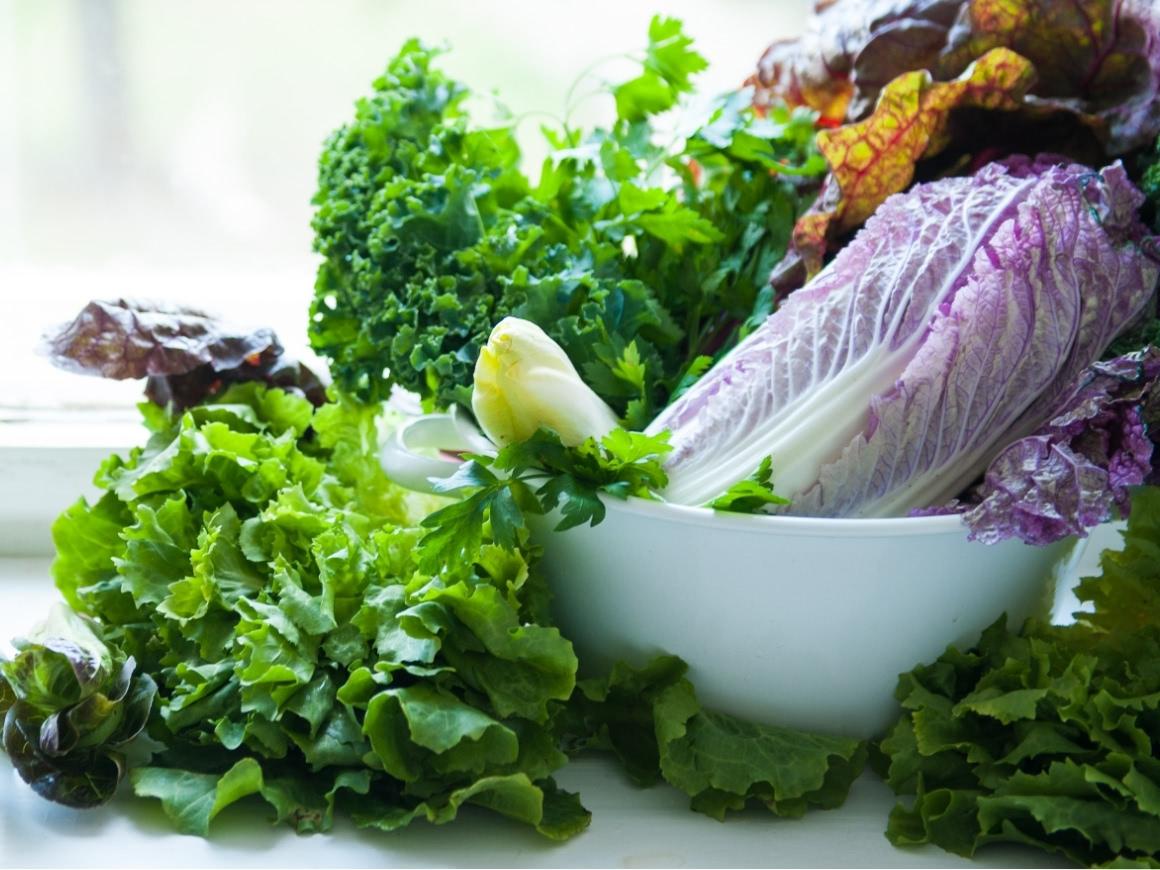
column 167, row 149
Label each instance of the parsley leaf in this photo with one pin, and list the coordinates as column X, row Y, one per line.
column 638, row 250
column 456, row 533
column 751, row 495
column 537, row 476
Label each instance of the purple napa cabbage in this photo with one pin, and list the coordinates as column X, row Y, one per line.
column 1074, row 472
column 946, row 330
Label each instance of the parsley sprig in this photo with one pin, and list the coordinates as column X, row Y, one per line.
column 751, row 495
column 536, row 477
column 642, row 247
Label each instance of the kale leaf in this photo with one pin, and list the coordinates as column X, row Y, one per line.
column 637, row 258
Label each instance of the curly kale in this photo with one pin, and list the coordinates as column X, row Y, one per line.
column 639, row 260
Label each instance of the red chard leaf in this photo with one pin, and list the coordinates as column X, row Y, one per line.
column 1098, row 58
column 878, row 65
column 874, row 158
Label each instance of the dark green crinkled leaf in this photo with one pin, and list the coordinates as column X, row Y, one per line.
column 1044, row 736
column 651, row 719
column 637, row 257
column 263, row 571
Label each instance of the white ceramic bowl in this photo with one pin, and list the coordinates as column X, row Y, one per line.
column 795, row 621
column 789, row 620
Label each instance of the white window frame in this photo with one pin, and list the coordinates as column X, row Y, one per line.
column 45, row 466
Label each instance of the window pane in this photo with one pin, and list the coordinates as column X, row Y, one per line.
column 163, row 148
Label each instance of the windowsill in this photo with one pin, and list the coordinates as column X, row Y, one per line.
column 47, row 461
column 79, row 430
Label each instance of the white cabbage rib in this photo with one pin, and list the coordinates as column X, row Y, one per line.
column 941, row 333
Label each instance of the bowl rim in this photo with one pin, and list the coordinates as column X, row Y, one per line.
column 830, row 527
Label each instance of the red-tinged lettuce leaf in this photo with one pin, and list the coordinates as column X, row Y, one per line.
column 1094, row 90
column 874, row 158
column 1098, row 58
column 134, row 339
column 70, row 703
column 185, row 354
column 1077, row 470
column 850, row 50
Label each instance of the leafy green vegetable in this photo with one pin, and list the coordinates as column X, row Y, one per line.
column 651, row 719
column 637, row 258
column 183, row 353
column 1046, row 736
column 303, row 641
column 69, row 703
column 752, row 494
column 538, row 476
column 669, row 64
column 254, row 559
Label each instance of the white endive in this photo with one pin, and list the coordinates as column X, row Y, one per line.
column 524, row 381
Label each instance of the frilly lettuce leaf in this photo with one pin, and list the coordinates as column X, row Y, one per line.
column 1097, row 58
column 1030, row 739
column 1045, row 736
column 256, row 561
column 651, row 719
column 1125, row 597
column 849, row 51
